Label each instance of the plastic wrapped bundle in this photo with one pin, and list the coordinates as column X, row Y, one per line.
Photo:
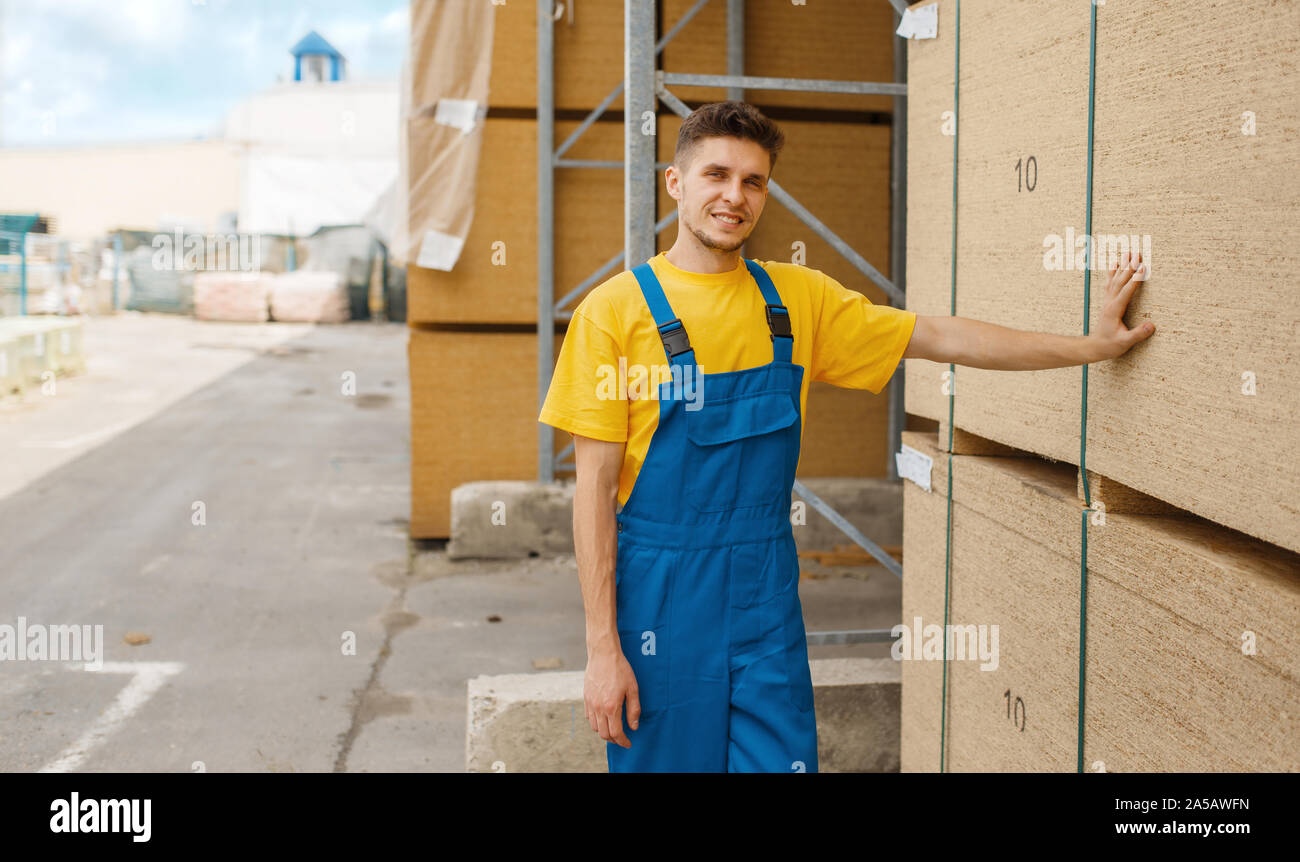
column 237, row 296
column 310, row 297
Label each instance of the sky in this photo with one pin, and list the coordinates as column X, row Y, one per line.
column 75, row 72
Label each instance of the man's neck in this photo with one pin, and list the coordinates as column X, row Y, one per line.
column 692, row 257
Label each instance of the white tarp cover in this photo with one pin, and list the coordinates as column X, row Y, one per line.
column 315, row 154
column 451, row 61
column 290, row 194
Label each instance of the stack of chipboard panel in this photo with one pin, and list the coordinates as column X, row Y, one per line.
column 310, row 297
column 588, row 48
column 1193, row 576
column 1195, row 146
column 836, row 163
column 473, row 416
column 851, row 40
column 234, row 296
column 495, row 279
column 1192, row 639
column 473, row 340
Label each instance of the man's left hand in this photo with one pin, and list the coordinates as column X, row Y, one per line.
column 1111, row 335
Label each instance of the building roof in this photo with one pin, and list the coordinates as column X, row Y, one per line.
column 314, row 43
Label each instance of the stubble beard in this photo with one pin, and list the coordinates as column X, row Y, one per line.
column 709, row 242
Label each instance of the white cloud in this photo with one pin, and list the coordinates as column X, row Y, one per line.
column 144, row 68
column 396, row 22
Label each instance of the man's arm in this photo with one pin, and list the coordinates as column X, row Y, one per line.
column 977, row 344
column 609, row 679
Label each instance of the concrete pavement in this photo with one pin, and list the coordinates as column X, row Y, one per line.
column 304, row 492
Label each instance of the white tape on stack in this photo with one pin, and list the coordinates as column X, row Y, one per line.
column 914, row 465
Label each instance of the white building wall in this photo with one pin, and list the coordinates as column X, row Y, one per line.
column 295, row 157
column 92, row 190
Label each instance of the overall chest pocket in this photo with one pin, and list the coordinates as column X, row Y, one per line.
column 738, row 450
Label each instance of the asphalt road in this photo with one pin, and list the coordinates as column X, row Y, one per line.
column 303, row 492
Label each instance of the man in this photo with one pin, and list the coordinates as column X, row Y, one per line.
column 681, row 513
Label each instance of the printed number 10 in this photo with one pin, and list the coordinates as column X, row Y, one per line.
column 1023, row 180
column 1015, row 710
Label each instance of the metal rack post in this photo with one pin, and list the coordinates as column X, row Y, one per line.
column 545, row 229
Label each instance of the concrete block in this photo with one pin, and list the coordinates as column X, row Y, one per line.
column 536, row 723
column 39, row 344
column 859, row 713
column 530, row 722
column 11, row 376
column 511, row 519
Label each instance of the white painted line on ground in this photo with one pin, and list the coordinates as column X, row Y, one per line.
column 79, row 440
column 149, row 676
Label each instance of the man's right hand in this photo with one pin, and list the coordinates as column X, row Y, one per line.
column 608, row 682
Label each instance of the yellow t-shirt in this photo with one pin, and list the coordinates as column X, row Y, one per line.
column 840, row 337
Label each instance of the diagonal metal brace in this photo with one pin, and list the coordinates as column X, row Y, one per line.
column 848, row 529
column 851, row 636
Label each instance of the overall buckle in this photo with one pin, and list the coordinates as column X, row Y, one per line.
column 676, row 341
column 778, row 321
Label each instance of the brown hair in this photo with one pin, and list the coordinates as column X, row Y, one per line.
column 728, row 120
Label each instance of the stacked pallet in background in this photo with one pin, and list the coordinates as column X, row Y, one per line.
column 835, row 164
column 1192, row 661
column 1196, row 142
column 310, row 297
column 147, row 287
column 232, row 296
column 45, row 279
column 1193, row 637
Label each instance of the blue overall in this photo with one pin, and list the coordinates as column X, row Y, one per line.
column 707, row 579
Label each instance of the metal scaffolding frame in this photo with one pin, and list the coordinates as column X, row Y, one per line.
column 644, row 87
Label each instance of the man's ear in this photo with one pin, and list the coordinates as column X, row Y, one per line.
column 672, row 180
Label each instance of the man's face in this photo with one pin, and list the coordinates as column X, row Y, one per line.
column 721, row 193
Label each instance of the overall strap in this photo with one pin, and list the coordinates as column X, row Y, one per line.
column 671, row 330
column 778, row 316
